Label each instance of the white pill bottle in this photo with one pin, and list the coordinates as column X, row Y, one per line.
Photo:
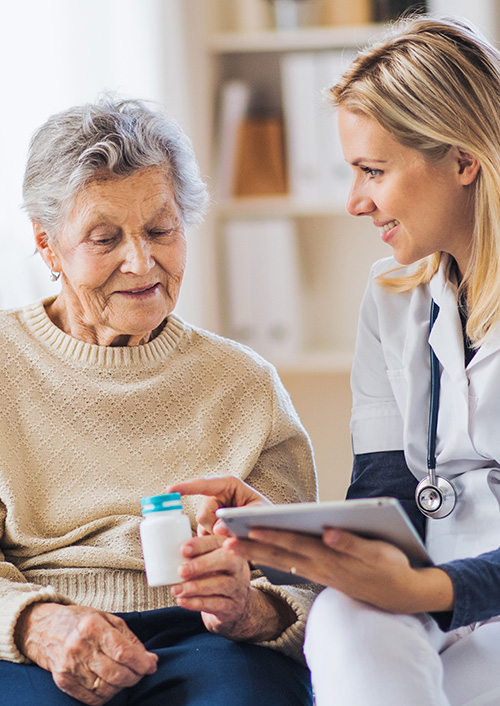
column 163, row 530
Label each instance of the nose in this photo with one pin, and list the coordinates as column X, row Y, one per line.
column 359, row 203
column 137, row 257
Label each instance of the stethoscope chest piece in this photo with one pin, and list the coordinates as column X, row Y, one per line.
column 435, row 497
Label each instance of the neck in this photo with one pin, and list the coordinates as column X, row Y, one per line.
column 77, row 328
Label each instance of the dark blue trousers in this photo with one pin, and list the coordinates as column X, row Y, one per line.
column 195, row 668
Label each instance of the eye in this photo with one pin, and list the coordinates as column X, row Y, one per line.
column 102, row 241
column 159, row 233
column 372, row 173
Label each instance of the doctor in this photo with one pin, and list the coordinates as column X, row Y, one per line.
column 419, row 120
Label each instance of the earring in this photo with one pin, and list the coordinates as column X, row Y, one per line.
column 54, row 276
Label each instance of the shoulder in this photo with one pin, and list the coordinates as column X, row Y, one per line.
column 216, row 350
column 11, row 320
column 388, row 316
column 387, row 300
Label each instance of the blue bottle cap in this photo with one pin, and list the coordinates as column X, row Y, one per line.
column 159, row 503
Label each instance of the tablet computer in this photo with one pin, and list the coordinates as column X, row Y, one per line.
column 373, row 518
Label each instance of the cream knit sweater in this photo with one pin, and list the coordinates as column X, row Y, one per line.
column 86, row 431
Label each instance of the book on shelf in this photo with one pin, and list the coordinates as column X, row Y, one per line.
column 345, row 12
column 234, row 102
column 260, row 161
column 316, row 167
column 263, row 286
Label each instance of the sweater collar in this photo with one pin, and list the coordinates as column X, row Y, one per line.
column 35, row 318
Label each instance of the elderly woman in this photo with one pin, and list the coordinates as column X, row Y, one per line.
column 107, row 397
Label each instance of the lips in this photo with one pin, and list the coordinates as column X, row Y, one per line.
column 386, row 229
column 137, row 291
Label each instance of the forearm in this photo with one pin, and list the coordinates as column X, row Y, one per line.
column 15, row 597
column 428, row 590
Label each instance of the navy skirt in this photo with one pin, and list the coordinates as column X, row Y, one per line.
column 195, row 668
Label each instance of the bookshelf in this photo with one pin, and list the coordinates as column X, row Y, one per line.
column 334, row 250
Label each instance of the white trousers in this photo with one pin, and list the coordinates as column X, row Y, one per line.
column 361, row 656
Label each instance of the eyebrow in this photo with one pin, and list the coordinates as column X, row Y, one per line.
column 360, row 160
column 164, row 211
column 100, row 221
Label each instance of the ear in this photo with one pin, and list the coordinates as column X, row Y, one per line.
column 43, row 246
column 468, row 167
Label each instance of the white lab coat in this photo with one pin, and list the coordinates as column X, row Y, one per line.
column 391, row 390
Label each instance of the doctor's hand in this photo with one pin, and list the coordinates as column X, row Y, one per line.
column 217, row 583
column 366, row 569
column 221, row 491
column 92, row 655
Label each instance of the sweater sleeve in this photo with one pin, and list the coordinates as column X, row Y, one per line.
column 386, row 474
column 285, row 473
column 16, row 594
column 475, row 585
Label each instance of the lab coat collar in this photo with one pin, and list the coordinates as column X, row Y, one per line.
column 492, row 345
column 446, row 337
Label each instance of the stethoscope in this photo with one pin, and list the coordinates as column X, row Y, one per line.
column 435, row 496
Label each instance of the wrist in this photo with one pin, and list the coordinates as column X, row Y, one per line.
column 434, row 592
column 275, row 615
column 24, row 626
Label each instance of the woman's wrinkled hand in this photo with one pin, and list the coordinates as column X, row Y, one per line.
column 220, row 491
column 217, row 583
column 91, row 654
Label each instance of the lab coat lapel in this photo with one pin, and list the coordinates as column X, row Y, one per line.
column 446, row 337
column 491, row 346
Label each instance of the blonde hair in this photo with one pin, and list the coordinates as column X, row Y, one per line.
column 434, row 83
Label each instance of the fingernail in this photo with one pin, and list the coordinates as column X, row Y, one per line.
column 331, row 536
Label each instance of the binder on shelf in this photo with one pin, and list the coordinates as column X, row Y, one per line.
column 240, row 260
column 234, row 102
column 263, row 286
column 317, row 170
column 335, row 174
column 298, row 83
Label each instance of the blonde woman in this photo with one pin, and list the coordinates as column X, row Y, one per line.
column 419, row 120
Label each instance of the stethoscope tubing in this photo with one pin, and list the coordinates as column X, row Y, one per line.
column 434, row 401
column 435, row 495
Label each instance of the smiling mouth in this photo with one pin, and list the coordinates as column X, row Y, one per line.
column 389, row 226
column 138, row 291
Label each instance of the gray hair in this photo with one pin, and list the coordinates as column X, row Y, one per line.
column 75, row 146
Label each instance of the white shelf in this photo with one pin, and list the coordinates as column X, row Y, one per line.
column 253, row 207
column 292, row 40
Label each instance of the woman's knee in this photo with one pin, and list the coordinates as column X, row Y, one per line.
column 339, row 622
